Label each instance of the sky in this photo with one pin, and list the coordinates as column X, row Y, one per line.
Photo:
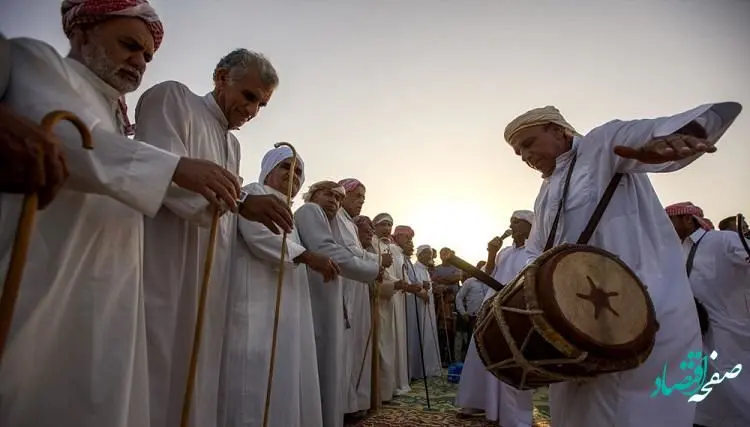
column 412, row 97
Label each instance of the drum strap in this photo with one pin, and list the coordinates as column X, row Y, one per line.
column 702, row 313
column 595, row 217
column 691, row 255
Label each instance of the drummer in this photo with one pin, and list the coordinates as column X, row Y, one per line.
column 636, row 229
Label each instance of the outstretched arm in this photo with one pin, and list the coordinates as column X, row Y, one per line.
column 129, row 171
column 630, row 146
column 315, row 232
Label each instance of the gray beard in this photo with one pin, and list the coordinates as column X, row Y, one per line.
column 95, row 58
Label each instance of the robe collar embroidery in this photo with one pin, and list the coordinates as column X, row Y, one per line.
column 215, row 110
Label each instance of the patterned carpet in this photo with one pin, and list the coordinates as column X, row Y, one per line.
column 411, row 410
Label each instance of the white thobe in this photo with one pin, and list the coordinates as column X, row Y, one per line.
column 478, row 388
column 720, row 280
column 424, row 316
column 394, row 375
column 635, row 228
column 295, row 392
column 316, row 234
column 171, row 117
column 76, row 354
column 357, row 297
column 401, row 363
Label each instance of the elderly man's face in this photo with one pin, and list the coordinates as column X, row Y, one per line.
column 383, row 228
column 117, row 50
column 402, row 240
column 425, row 257
column 408, row 248
column 329, row 201
column 278, row 178
column 354, row 201
column 520, row 228
column 241, row 97
column 684, row 225
column 539, row 146
column 365, row 232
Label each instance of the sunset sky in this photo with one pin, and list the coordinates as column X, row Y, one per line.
column 412, row 96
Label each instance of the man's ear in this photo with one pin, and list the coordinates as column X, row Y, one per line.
column 221, row 77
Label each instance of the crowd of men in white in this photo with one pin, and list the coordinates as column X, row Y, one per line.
column 103, row 327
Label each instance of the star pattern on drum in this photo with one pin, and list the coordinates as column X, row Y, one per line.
column 599, row 298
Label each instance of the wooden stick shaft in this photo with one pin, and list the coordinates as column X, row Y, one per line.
column 198, row 332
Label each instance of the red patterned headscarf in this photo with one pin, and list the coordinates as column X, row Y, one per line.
column 688, row 208
column 351, row 184
column 403, row 230
column 87, row 12
column 82, row 12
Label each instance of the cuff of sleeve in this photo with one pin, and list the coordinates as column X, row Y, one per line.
column 150, row 175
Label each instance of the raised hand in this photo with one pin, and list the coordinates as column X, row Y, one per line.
column 216, row 184
column 268, row 210
column 31, row 160
column 666, row 149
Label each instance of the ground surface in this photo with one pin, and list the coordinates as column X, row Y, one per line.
column 411, row 410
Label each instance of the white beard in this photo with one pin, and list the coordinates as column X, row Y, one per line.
column 96, row 59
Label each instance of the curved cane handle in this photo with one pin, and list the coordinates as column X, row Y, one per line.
column 26, row 226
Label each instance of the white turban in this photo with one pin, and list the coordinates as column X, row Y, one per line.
column 527, row 216
column 423, row 248
column 382, row 217
column 273, row 158
column 536, row 117
column 321, row 185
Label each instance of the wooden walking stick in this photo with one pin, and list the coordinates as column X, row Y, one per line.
column 372, row 335
column 26, row 226
column 274, row 336
column 198, row 332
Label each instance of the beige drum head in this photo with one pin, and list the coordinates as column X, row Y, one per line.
column 600, row 298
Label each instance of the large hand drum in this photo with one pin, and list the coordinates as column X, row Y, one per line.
column 574, row 313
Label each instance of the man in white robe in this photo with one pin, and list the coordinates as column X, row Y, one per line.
column 424, row 318
column 719, row 273
column 28, row 164
column 479, row 390
column 635, row 228
column 314, row 222
column 76, row 354
column 394, row 368
column 175, row 119
column 254, row 270
column 357, row 297
column 402, row 237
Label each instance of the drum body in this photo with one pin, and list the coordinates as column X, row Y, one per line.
column 575, row 313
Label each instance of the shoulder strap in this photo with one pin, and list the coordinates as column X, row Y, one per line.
column 599, row 211
column 553, row 231
column 691, row 255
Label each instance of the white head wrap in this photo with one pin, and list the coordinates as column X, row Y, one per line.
column 336, row 188
column 527, row 216
column 536, row 117
column 423, row 248
column 273, row 158
column 382, row 217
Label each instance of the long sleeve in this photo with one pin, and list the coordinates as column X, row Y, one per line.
column 735, row 252
column 163, row 119
column 261, row 241
column 315, row 232
column 134, row 173
column 714, row 118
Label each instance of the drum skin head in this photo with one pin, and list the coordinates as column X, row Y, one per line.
column 595, row 302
